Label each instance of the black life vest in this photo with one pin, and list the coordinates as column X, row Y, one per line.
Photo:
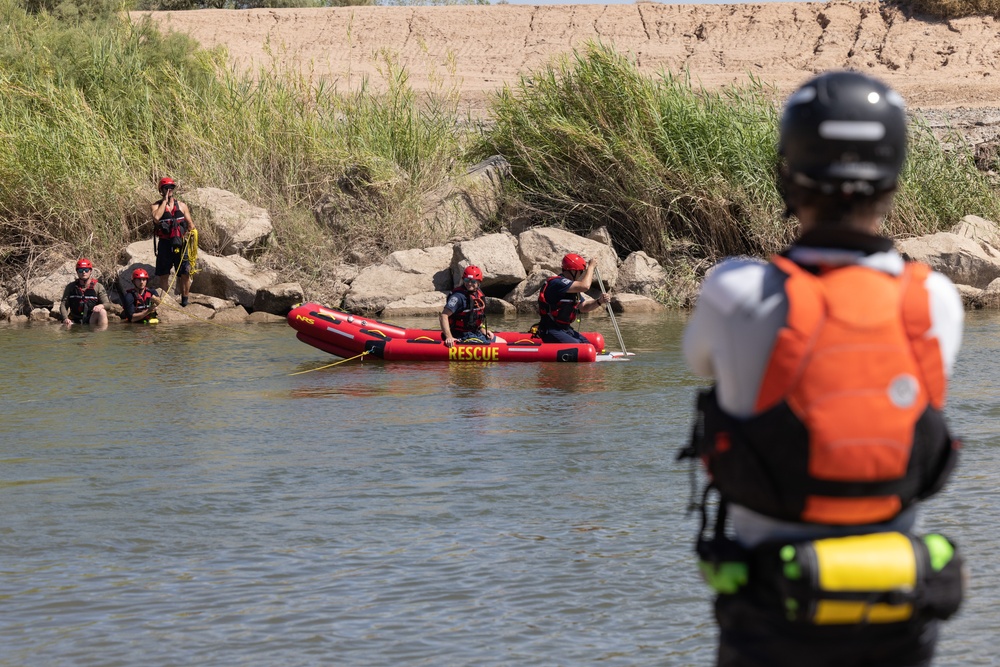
column 560, row 314
column 471, row 319
column 172, row 226
column 82, row 300
column 141, row 301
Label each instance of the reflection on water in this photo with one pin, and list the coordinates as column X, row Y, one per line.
column 175, row 495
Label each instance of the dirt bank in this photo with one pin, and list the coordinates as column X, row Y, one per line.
column 934, row 64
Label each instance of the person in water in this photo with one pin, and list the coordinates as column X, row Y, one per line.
column 140, row 302
column 463, row 319
column 85, row 301
column 561, row 300
column 824, row 427
column 172, row 227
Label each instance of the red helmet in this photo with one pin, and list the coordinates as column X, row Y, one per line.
column 139, row 273
column 573, row 262
column 166, row 180
column 84, row 263
column 473, row 272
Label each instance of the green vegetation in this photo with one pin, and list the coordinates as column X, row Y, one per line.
column 953, row 9
column 685, row 174
column 93, row 113
column 94, row 109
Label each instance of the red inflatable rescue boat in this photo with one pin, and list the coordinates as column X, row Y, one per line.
column 346, row 335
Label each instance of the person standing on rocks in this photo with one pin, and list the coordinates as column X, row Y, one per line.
column 560, row 300
column 172, row 227
column 85, row 301
column 824, row 428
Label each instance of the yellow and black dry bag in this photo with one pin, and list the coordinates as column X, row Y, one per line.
column 876, row 578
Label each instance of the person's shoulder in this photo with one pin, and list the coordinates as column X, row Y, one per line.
column 735, row 281
column 943, row 291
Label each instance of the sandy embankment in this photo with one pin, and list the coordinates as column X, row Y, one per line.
column 934, row 64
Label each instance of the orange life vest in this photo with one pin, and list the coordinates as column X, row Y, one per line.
column 847, row 427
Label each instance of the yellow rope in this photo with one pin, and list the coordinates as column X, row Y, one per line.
column 330, row 365
column 173, row 277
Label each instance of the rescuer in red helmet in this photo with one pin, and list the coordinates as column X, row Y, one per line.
column 140, row 302
column 824, row 428
column 85, row 301
column 463, row 319
column 172, row 226
column 561, row 300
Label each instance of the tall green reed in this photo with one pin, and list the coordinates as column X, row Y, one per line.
column 681, row 172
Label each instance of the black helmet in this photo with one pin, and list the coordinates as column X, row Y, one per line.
column 844, row 132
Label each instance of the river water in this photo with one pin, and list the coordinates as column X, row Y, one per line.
column 175, row 496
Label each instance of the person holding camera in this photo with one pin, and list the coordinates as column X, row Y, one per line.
column 172, row 227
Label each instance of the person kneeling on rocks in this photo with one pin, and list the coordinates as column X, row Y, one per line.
column 463, row 319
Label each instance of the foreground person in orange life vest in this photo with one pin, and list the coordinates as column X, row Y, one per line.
column 824, row 427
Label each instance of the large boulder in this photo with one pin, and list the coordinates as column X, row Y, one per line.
column 240, row 228
column 984, row 232
column 404, row 273
column 634, row 303
column 462, row 206
column 496, row 255
column 233, row 278
column 171, row 312
column 425, row 303
column 543, row 248
column 378, row 286
column 237, row 315
column 46, row 291
column 278, row 299
column 524, row 297
column 972, row 297
column 962, row 259
column 433, row 262
column 641, row 274
column 138, row 255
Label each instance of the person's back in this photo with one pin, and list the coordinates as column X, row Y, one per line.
column 825, row 419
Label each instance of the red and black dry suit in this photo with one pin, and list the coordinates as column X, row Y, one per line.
column 557, row 306
column 170, row 231
column 830, row 366
column 78, row 300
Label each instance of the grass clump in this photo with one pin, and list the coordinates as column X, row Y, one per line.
column 687, row 175
column 952, row 9
column 667, row 167
column 93, row 112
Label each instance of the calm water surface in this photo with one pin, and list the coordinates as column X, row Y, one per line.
column 173, row 496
